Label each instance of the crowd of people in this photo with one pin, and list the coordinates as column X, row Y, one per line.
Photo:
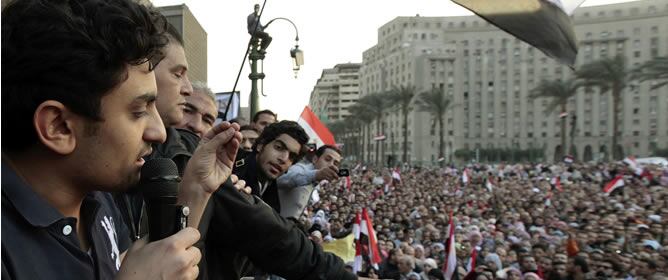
column 511, row 221
column 94, row 89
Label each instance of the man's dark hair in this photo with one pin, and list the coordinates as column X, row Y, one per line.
column 323, row 148
column 174, row 34
column 248, row 127
column 274, row 130
column 268, row 112
column 73, row 52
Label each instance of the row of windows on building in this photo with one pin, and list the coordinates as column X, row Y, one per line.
column 634, row 11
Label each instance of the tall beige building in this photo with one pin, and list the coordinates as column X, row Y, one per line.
column 194, row 37
column 336, row 89
column 489, row 74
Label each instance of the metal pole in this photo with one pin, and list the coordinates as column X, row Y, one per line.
column 254, row 56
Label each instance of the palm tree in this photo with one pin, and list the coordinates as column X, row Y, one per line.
column 437, row 104
column 402, row 96
column 560, row 92
column 608, row 74
column 338, row 128
column 656, row 70
column 378, row 104
column 364, row 116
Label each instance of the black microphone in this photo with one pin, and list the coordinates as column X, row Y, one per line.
column 159, row 185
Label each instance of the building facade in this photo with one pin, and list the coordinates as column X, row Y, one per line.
column 489, row 75
column 194, row 39
column 336, row 89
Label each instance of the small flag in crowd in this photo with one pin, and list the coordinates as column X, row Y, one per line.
column 631, row 162
column 379, row 138
column 556, row 183
column 489, row 184
column 346, row 183
column 548, row 199
column 315, row 129
column 568, row 159
column 466, row 176
column 450, row 264
column 616, row 182
column 396, row 175
column 471, row 264
column 361, row 227
column 544, row 24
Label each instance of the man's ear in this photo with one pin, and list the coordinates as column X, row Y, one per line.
column 259, row 147
column 54, row 127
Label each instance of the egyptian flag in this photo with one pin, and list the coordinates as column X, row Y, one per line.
column 466, row 176
column 616, row 182
column 631, row 162
column 544, row 24
column 396, row 175
column 450, row 264
column 365, row 237
column 346, row 183
column 556, row 183
column 471, row 264
column 548, row 199
column 316, row 130
column 489, row 184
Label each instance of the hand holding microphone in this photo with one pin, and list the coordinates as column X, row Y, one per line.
column 174, row 257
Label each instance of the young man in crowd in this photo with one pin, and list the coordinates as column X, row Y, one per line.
column 263, row 118
column 250, row 134
column 279, row 147
column 79, row 115
column 201, row 110
column 295, row 187
column 244, row 228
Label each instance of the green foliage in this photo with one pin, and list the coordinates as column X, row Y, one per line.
column 501, row 154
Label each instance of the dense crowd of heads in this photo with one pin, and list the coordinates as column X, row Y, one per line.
column 521, row 225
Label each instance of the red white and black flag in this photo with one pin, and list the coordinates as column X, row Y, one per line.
column 316, row 130
column 614, row 184
column 544, row 24
column 365, row 242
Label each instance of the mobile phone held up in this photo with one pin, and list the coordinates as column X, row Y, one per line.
column 344, row 172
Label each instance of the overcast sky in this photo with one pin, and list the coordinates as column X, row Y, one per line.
column 330, row 32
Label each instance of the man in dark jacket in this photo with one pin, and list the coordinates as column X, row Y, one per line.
column 278, row 147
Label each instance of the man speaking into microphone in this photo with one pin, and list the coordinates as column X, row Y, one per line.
column 78, row 116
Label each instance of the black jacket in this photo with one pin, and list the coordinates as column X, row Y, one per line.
column 247, row 169
column 244, row 228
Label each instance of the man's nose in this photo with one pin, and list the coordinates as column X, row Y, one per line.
column 155, row 130
column 186, row 87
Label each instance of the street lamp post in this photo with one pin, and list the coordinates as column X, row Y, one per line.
column 254, row 56
column 257, row 55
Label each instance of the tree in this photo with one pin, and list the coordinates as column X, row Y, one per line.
column 653, row 70
column 608, row 74
column 377, row 103
column 437, row 104
column 560, row 92
column 365, row 117
column 402, row 96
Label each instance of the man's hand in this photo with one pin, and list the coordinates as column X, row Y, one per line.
column 208, row 168
column 329, row 173
column 174, row 257
column 213, row 160
column 240, row 185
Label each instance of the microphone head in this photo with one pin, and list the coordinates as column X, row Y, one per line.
column 159, row 178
